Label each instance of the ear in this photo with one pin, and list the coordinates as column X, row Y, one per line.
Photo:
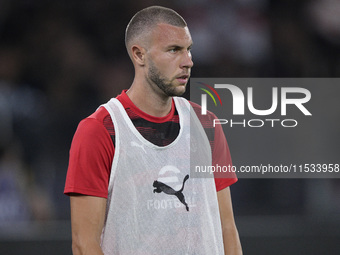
column 138, row 54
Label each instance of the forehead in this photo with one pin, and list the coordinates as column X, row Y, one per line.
column 165, row 35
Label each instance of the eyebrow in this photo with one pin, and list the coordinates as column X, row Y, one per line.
column 178, row 47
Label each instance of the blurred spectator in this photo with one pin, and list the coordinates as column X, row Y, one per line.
column 13, row 189
column 22, row 118
column 324, row 23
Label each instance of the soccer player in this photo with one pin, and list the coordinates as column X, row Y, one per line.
column 129, row 179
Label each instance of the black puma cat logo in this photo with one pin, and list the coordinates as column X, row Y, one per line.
column 160, row 186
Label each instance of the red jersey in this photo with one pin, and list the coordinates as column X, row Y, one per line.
column 93, row 146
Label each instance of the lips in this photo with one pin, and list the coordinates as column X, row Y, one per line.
column 183, row 79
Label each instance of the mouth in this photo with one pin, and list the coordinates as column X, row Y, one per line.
column 183, row 79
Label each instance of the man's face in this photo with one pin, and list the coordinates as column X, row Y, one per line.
column 169, row 59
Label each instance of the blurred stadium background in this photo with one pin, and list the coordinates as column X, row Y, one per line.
column 59, row 60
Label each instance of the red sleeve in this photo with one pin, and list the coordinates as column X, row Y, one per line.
column 90, row 160
column 221, row 157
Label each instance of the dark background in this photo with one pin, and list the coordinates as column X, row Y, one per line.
column 59, row 60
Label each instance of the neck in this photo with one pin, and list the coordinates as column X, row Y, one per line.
column 147, row 100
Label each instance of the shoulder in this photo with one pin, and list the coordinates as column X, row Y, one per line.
column 205, row 119
column 95, row 124
column 100, row 115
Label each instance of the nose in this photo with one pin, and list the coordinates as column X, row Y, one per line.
column 187, row 60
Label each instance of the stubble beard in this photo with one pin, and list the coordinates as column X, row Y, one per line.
column 165, row 86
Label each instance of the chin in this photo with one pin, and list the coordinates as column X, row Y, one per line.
column 180, row 90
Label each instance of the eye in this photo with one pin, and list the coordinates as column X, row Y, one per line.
column 174, row 50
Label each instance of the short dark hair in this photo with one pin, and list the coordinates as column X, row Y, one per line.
column 144, row 20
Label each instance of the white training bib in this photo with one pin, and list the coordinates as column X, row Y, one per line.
column 154, row 206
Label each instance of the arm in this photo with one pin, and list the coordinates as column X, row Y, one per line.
column 87, row 220
column 231, row 240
